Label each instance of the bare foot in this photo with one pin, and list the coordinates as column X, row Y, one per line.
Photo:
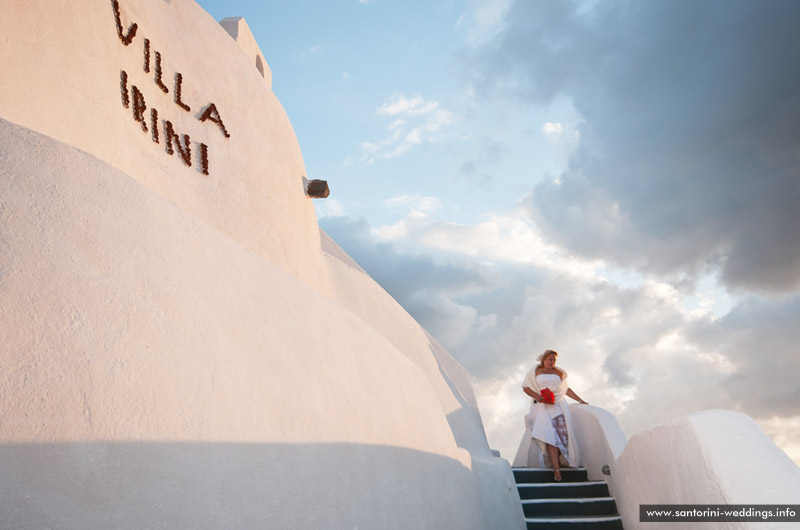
column 557, row 475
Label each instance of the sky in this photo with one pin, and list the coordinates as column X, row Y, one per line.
column 618, row 181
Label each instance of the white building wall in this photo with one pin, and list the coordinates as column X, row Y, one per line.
column 61, row 66
column 709, row 457
column 715, row 457
column 178, row 349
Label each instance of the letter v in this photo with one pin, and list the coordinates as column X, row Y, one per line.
column 126, row 39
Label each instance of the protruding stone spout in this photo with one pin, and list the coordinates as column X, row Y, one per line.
column 318, row 189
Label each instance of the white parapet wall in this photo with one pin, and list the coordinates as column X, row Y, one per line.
column 715, row 457
column 238, row 29
column 180, row 345
column 601, row 441
column 710, row 457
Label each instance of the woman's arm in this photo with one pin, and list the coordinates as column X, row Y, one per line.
column 531, row 393
column 574, row 396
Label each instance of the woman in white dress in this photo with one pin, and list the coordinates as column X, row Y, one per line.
column 550, row 424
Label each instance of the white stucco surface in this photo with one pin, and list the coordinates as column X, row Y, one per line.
column 715, row 457
column 188, row 350
column 710, row 457
column 61, row 67
column 601, row 441
column 238, row 29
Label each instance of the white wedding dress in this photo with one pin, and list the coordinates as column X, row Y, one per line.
column 551, row 424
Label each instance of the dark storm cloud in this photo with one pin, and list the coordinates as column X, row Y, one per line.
column 690, row 149
column 429, row 289
column 496, row 318
column 633, row 349
column 402, row 275
column 761, row 339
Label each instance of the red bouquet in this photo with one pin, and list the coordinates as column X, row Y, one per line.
column 548, row 396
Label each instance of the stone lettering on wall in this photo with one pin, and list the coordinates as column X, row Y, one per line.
column 133, row 98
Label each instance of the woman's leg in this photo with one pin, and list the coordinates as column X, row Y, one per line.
column 552, row 452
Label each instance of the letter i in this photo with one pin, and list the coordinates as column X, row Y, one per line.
column 123, row 87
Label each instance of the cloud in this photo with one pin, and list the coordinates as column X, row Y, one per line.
column 688, row 159
column 402, row 274
column 634, row 349
column 681, row 165
column 509, row 238
column 507, row 299
column 328, row 208
column 484, row 19
column 483, row 153
column 413, row 106
column 551, row 128
column 416, row 122
column 417, row 204
column 759, row 338
column 786, row 433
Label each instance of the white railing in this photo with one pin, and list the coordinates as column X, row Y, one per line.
column 600, row 441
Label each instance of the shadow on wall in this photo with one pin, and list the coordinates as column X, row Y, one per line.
column 498, row 490
column 135, row 485
column 465, row 421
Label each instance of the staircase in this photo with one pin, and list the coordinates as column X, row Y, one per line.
column 575, row 503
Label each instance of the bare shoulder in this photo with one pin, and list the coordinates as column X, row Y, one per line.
column 559, row 372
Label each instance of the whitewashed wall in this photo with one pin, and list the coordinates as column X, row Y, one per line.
column 601, row 441
column 180, row 349
column 717, row 457
column 709, row 457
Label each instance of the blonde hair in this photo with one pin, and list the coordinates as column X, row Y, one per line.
column 545, row 355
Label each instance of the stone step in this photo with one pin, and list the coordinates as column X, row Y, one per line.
column 574, row 503
column 574, row 523
column 530, row 475
column 562, row 490
column 570, row 506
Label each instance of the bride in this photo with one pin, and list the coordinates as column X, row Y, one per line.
column 549, row 418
